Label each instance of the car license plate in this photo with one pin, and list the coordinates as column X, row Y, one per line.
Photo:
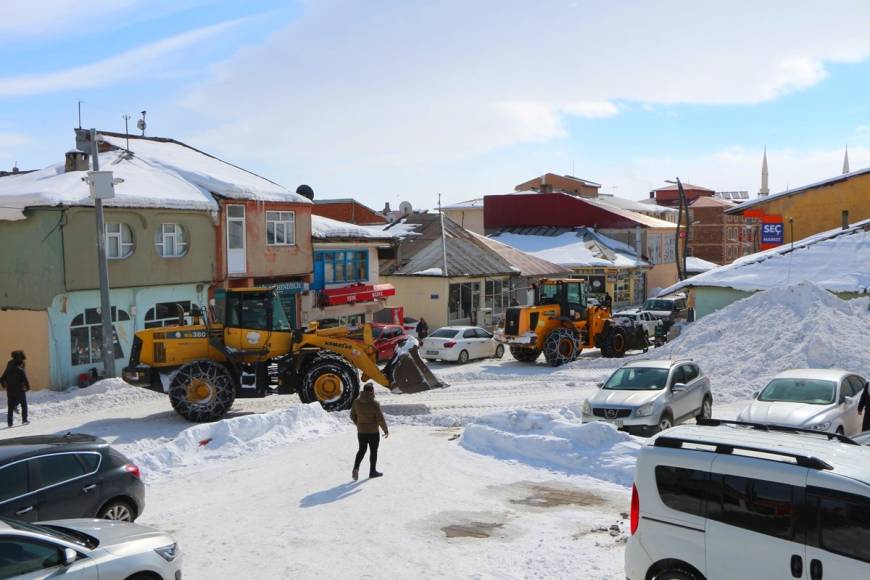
column 431, row 352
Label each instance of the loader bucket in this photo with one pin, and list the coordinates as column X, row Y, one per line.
column 409, row 374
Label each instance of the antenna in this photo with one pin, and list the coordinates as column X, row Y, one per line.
column 80, row 113
column 141, row 123
column 127, row 130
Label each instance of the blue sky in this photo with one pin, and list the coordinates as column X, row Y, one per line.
column 394, row 100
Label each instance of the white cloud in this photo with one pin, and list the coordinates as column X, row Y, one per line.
column 591, row 109
column 152, row 58
column 11, row 144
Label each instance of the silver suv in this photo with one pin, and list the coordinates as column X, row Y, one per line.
column 647, row 396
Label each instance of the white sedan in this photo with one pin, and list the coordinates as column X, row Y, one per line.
column 460, row 344
column 646, row 319
column 817, row 399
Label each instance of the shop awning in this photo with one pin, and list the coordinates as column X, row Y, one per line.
column 357, row 293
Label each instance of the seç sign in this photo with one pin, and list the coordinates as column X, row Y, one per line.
column 772, row 233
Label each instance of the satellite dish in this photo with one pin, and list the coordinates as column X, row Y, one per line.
column 405, row 209
column 306, row 191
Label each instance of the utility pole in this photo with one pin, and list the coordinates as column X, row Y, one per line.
column 443, row 236
column 127, row 130
column 108, row 347
column 684, row 203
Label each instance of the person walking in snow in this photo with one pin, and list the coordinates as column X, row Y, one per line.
column 366, row 414
column 422, row 328
column 14, row 380
column 863, row 403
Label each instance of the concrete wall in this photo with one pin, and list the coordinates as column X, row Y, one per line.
column 709, row 299
column 27, row 330
column 469, row 218
column 145, row 267
column 31, row 263
column 350, row 212
column 415, row 294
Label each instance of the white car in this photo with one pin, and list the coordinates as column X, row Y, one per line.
column 646, row 319
column 721, row 502
column 817, row 399
column 460, row 344
column 86, row 549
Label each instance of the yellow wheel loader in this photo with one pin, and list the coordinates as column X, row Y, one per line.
column 561, row 324
column 246, row 348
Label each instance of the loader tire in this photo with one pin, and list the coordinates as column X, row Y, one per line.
column 615, row 343
column 525, row 354
column 562, row 346
column 202, row 391
column 332, row 381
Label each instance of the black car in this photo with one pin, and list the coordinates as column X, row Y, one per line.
column 51, row 477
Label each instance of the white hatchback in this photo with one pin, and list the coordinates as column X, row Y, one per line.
column 817, row 399
column 460, row 344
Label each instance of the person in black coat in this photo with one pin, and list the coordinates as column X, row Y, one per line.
column 863, row 403
column 14, row 380
column 422, row 329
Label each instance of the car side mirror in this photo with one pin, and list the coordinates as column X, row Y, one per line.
column 755, row 394
column 69, row 556
column 599, row 385
column 844, row 399
column 679, row 387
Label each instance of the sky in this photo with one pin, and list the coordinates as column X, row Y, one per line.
column 390, row 101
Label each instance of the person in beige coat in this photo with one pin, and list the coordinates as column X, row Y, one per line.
column 367, row 416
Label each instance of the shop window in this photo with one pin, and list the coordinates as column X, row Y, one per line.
column 171, row 241
column 166, row 314
column 280, row 228
column 497, row 296
column 343, row 266
column 86, row 336
column 119, row 241
column 463, row 300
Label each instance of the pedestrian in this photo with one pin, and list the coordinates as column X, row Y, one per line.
column 367, row 416
column 863, row 405
column 608, row 301
column 422, row 329
column 14, row 380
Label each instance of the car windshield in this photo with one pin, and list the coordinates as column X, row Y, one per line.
column 444, row 333
column 658, row 305
column 56, row 532
column 812, row 391
column 637, row 379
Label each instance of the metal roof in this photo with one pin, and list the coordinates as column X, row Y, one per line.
column 528, row 265
column 823, row 183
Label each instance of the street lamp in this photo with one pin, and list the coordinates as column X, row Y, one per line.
column 791, row 231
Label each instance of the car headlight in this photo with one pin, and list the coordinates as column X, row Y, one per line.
column 644, row 410
column 168, row 553
column 821, row 426
column 587, row 408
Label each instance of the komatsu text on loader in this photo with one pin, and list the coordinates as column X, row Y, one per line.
column 236, row 350
column 561, row 324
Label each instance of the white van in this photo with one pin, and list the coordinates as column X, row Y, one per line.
column 725, row 500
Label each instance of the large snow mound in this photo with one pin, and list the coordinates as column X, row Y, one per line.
column 744, row 345
column 557, row 441
column 237, row 437
column 105, row 394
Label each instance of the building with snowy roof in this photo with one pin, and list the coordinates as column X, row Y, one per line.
column 468, row 214
column 181, row 224
column 348, row 210
column 837, row 260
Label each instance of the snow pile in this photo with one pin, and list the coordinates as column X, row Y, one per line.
column 744, row 345
column 325, row 228
column 105, row 394
column 582, row 247
column 557, row 441
column 429, row 272
column 237, row 437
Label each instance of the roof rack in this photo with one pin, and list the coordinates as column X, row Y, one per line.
column 728, row 449
column 778, row 428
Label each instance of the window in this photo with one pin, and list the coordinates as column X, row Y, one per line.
column 53, row 469
column 463, row 301
column 653, row 248
column 119, row 241
column 171, row 241
column 13, row 481
column 343, row 266
column 86, row 336
column 91, row 461
column 684, row 490
column 280, row 228
column 855, row 385
column 444, row 333
column 842, row 523
column 497, row 296
column 812, row 391
column 470, row 333
column 166, row 314
column 679, row 375
column 19, row 556
column 691, row 372
column 481, row 333
column 670, row 252
column 764, row 507
column 637, row 379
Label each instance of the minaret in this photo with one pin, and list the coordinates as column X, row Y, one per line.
column 846, row 161
column 765, row 190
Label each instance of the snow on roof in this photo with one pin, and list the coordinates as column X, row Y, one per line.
column 837, row 260
column 469, row 204
column 636, row 206
column 643, row 219
column 143, row 186
column 524, row 263
column 399, row 229
column 429, row 272
column 326, row 228
column 764, row 199
column 574, row 248
column 694, row 264
column 204, row 170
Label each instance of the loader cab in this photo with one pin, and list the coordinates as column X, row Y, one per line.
column 569, row 295
column 250, row 316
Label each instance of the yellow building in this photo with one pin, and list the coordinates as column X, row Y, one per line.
column 468, row 214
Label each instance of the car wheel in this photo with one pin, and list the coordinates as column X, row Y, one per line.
column 706, row 409
column 675, row 574
column 118, row 510
column 499, row 351
column 665, row 422
column 463, row 357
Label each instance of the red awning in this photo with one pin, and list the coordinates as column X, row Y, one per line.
column 357, row 293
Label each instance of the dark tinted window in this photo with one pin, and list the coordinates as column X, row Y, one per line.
column 760, row 506
column 683, row 489
column 470, row 333
column 19, row 556
column 692, row 372
column 53, row 469
column 13, row 480
column 481, row 333
column 90, row 461
column 843, row 524
column 853, row 385
column 679, row 376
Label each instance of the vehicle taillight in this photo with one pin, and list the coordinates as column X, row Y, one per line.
column 450, row 344
column 132, row 470
column 635, row 509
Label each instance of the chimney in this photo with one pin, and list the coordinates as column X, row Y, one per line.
column 546, row 188
column 75, row 161
column 845, row 219
column 386, row 208
column 15, row 168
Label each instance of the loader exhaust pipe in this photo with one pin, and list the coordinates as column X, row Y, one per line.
column 407, row 371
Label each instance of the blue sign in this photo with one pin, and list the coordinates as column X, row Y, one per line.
column 772, row 233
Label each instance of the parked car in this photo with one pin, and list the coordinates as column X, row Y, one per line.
column 86, row 549
column 647, row 320
column 410, row 326
column 387, row 337
column 461, row 344
column 669, row 309
column 718, row 501
column 67, row 476
column 818, row 399
column 648, row 396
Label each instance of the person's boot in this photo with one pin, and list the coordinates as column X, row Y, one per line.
column 374, row 474
column 355, row 474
